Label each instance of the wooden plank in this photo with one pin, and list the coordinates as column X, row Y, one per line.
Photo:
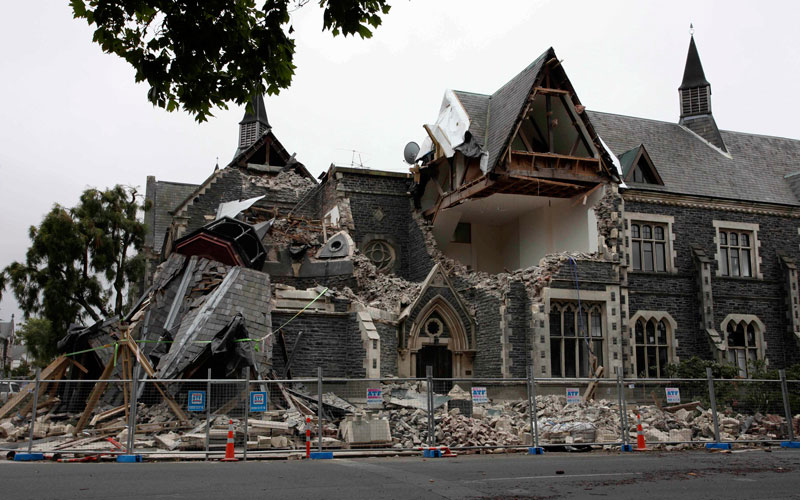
column 97, row 391
column 175, row 407
column 549, row 91
column 684, row 406
column 465, row 192
column 107, row 414
column 78, row 366
column 28, row 389
column 589, row 393
column 581, row 198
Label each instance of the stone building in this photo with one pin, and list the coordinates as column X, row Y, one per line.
column 529, row 231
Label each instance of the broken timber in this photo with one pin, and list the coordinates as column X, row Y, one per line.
column 47, row 373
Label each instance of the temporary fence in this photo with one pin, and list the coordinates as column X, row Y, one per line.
column 191, row 417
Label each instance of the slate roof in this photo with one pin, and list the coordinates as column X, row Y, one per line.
column 165, row 197
column 492, row 117
column 477, row 106
column 754, row 169
column 7, row 329
column 242, row 290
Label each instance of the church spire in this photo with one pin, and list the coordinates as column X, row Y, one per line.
column 693, row 74
column 253, row 124
column 695, row 99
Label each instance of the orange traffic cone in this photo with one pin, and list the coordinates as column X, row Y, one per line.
column 640, row 444
column 229, row 453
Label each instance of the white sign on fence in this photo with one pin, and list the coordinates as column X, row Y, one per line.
column 673, row 395
column 374, row 397
column 573, row 396
column 479, row 395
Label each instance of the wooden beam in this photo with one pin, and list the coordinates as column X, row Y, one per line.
column 547, row 181
column 107, row 414
column 548, row 113
column 465, row 192
column 549, row 91
column 78, row 365
column 581, row 198
column 148, row 369
column 97, row 391
column 28, row 389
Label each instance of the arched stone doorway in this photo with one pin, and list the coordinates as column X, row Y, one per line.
column 437, row 338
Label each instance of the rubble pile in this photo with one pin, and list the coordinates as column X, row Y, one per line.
column 380, row 290
column 534, row 277
column 597, row 421
column 288, row 180
column 400, row 423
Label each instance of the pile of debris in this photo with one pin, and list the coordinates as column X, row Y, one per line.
column 597, row 421
column 288, row 180
column 379, row 290
column 401, row 422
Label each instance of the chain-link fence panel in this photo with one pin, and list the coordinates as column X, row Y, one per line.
column 578, row 412
column 376, row 414
column 482, row 413
column 82, row 416
column 793, row 393
column 16, row 398
column 750, row 410
column 673, row 412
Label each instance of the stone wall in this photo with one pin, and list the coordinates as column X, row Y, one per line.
column 330, row 340
column 677, row 293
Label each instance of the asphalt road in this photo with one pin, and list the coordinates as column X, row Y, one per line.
column 676, row 475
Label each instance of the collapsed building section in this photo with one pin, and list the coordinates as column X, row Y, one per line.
column 509, row 244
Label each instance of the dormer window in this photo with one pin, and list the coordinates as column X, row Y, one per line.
column 638, row 167
column 642, row 175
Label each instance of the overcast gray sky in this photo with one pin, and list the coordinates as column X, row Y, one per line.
column 72, row 117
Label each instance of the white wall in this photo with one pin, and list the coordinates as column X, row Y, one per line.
column 557, row 226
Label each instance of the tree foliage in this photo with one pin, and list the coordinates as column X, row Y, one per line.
column 199, row 55
column 39, row 338
column 79, row 263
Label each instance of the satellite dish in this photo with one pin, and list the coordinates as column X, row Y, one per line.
column 410, row 152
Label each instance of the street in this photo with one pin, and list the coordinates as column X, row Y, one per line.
column 695, row 474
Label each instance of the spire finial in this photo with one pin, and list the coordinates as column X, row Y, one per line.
column 691, row 29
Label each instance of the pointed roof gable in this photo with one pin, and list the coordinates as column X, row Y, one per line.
column 507, row 104
column 494, row 118
column 256, row 112
column 693, row 75
column 639, row 156
column 438, row 284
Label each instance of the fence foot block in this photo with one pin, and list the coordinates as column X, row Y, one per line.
column 321, row 455
column 627, row 447
column 28, row 457
column 790, row 444
column 129, row 458
column 719, row 446
column 536, row 450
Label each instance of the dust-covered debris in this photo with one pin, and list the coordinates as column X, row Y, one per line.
column 379, row 290
column 288, row 180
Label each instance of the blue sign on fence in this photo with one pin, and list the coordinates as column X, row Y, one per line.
column 573, row 396
column 479, row 395
column 374, row 397
column 197, row 400
column 673, row 395
column 258, row 401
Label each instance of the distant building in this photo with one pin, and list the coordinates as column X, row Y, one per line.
column 7, row 336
